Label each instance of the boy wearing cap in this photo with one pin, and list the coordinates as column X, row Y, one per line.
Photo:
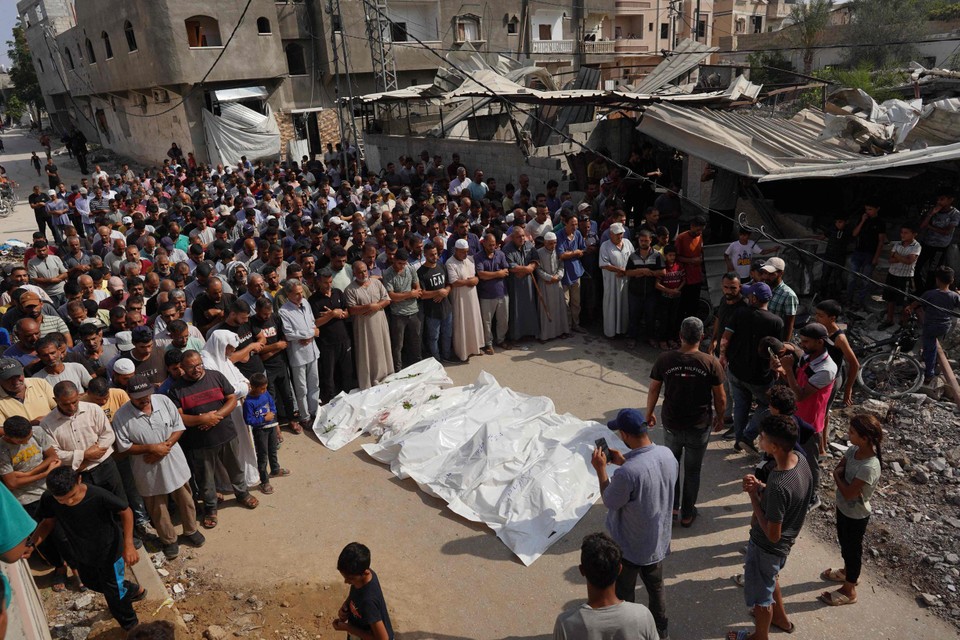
column 148, row 428
column 784, row 302
column 639, row 497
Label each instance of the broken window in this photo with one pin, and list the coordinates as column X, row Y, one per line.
column 203, row 31
column 296, row 63
column 468, row 28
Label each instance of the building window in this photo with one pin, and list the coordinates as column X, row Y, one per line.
column 650, row 27
column 513, row 26
column 544, row 32
column 296, row 64
column 130, row 36
column 69, row 57
column 91, row 56
column 756, row 24
column 107, row 49
column 203, row 31
column 701, row 28
column 335, row 23
column 263, row 26
column 664, row 30
column 740, row 25
column 468, row 28
column 398, row 32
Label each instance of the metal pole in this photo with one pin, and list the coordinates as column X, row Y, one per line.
column 336, row 75
column 696, row 23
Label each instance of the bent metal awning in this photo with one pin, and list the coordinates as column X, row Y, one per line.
column 770, row 148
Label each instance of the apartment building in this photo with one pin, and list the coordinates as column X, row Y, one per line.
column 138, row 76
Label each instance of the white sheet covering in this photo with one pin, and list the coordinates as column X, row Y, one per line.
column 494, row 455
column 240, row 131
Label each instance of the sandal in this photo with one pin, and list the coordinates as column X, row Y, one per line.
column 835, row 598
column 266, row 488
column 59, row 581
column 280, row 473
column 686, row 523
column 249, row 502
column 297, row 427
column 209, row 521
column 738, row 579
column 834, row 575
column 140, row 595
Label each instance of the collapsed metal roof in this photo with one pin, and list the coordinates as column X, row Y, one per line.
column 681, row 61
column 772, row 148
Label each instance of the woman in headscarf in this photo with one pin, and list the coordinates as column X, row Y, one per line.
column 216, row 356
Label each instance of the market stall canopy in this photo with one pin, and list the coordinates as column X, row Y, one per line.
column 770, row 148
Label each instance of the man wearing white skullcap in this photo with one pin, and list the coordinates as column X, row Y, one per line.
column 553, row 312
column 463, row 280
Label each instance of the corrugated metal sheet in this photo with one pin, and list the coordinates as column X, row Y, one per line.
column 685, row 58
column 770, row 148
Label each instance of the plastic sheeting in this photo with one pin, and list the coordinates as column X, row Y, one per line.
column 494, row 455
column 240, row 131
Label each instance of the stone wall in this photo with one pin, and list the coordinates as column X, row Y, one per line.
column 329, row 126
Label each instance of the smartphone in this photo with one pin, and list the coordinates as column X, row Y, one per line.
column 603, row 446
column 770, row 351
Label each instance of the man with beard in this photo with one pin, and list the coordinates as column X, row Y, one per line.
column 784, row 302
column 147, row 357
column 461, row 231
column 55, row 369
column 732, row 301
column 246, row 355
column 47, row 271
column 49, row 322
column 92, row 347
column 117, row 294
column 437, row 311
column 206, row 401
column 274, row 358
column 521, row 260
column 24, row 350
column 492, row 270
column 366, row 299
column 31, row 398
column 336, row 357
column 210, row 307
column 299, row 326
column 463, row 280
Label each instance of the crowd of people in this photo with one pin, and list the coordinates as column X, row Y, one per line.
column 186, row 316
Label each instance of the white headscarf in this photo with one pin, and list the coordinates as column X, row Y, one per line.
column 215, row 358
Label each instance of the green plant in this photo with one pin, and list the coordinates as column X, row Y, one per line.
column 877, row 84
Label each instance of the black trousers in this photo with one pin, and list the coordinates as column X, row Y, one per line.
column 266, row 443
column 405, row 339
column 927, row 262
column 652, row 577
column 335, row 369
column 689, row 297
column 203, row 464
column 41, row 217
column 278, row 384
column 108, row 579
column 850, row 532
column 106, row 476
column 130, row 488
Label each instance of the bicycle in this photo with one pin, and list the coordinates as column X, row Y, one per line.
column 894, row 372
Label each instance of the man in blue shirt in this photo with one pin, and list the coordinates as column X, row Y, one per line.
column 639, row 497
column 571, row 248
column 492, row 269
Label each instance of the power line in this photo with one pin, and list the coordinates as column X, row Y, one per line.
column 629, row 173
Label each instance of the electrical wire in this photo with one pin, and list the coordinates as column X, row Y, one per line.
column 629, row 173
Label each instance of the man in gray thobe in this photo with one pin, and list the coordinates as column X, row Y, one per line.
column 521, row 258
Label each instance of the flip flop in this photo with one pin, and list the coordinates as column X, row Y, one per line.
column 835, row 598
column 833, row 575
column 280, row 473
column 249, row 502
column 791, row 629
column 140, row 595
column 209, row 521
column 738, row 579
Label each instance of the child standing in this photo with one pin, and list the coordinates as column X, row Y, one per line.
column 260, row 414
column 740, row 252
column 99, row 526
column 364, row 613
column 669, row 283
column 856, row 476
column 936, row 323
column 903, row 259
column 838, row 245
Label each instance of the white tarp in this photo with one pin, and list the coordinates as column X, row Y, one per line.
column 240, row 131
column 495, row 456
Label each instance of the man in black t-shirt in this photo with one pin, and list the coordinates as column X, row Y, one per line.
column 206, row 401
column 275, row 362
column 364, row 612
column 38, row 202
column 732, row 301
column 210, row 307
column 870, row 236
column 336, row 354
column 102, row 546
column 749, row 374
column 246, row 356
column 437, row 310
column 693, row 401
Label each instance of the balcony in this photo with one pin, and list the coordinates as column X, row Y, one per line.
column 553, row 46
column 631, row 45
column 599, row 46
column 631, row 7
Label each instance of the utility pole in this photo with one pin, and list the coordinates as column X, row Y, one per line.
column 384, row 68
column 696, row 23
column 338, row 46
column 579, row 33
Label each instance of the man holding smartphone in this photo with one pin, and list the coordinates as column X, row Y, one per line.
column 639, row 497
